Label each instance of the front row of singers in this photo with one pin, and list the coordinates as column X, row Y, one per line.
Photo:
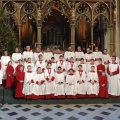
column 50, row 84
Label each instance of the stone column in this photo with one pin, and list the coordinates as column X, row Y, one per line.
column 111, row 28
column 20, row 33
column 92, row 38
column 111, row 39
column 117, row 31
column 39, row 36
column 107, row 40
column 72, row 26
column 39, row 27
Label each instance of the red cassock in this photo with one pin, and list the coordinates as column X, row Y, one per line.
column 103, row 90
column 19, row 86
column 10, row 76
column 100, row 67
column 18, row 68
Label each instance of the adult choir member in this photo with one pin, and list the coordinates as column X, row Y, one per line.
column 47, row 55
column 4, row 62
column 68, row 54
column 1, row 74
column 78, row 55
column 113, row 73
column 10, row 75
column 20, row 81
column 106, row 58
column 57, row 54
column 88, row 56
column 103, row 86
column 97, row 55
column 59, row 84
column 80, row 83
column 16, row 56
column 36, row 54
column 92, row 83
column 50, row 82
column 27, row 54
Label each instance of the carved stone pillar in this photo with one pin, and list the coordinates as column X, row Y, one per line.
column 72, row 26
column 92, row 38
column 20, row 33
column 111, row 39
column 117, row 31
column 39, row 36
column 39, row 28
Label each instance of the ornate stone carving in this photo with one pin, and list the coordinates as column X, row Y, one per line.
column 10, row 7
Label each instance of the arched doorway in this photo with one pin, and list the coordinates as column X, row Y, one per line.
column 55, row 30
column 29, row 31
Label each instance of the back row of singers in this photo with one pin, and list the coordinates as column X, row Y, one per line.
column 47, row 55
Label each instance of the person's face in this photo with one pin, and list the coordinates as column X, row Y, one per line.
column 88, row 50
column 72, row 60
column 69, row 48
column 61, row 58
column 52, row 60
column 5, row 53
column 113, row 59
column 58, row 51
column 92, row 61
column 21, row 68
column 10, row 63
column 49, row 66
column 29, row 68
column 29, row 59
column 105, row 51
column 79, row 48
column 39, row 70
column 96, row 48
column 16, row 50
column 59, row 69
column 37, row 50
column 28, row 48
column 20, row 62
column 92, row 68
column 82, row 61
column 71, row 71
column 100, row 62
column 48, row 49
column 40, row 57
column 80, row 67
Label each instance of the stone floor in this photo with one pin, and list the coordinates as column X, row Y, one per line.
column 60, row 112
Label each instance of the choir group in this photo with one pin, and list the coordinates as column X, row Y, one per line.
column 37, row 75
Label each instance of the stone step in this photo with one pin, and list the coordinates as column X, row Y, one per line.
column 9, row 98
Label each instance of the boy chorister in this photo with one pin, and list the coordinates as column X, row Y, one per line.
column 70, row 84
column 103, row 89
column 28, row 83
column 40, row 63
column 29, row 62
column 10, row 75
column 50, row 82
column 92, row 83
column 39, row 84
column 80, row 84
column 71, row 64
column 59, row 84
column 20, row 81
